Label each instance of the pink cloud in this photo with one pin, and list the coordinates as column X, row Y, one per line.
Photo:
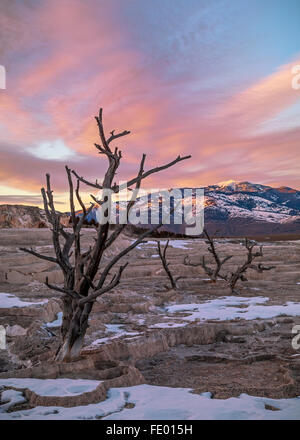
column 88, row 62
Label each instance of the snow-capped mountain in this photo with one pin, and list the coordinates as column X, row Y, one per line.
column 244, row 208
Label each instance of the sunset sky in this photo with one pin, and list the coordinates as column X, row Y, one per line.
column 206, row 78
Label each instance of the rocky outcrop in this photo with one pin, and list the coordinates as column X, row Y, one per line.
column 15, row 331
column 21, row 216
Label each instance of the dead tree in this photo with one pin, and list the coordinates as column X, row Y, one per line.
column 213, row 273
column 82, row 283
column 162, row 255
column 240, row 272
column 233, row 277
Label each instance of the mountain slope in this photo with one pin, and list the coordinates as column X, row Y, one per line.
column 246, row 208
column 232, row 208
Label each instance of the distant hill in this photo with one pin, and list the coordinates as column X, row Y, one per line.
column 22, row 216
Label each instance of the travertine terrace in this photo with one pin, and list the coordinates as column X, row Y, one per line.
column 137, row 334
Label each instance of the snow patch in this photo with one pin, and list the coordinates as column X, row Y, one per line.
column 56, row 323
column 53, row 387
column 170, row 404
column 114, row 328
column 10, row 398
column 168, row 325
column 229, row 307
column 7, row 300
column 177, row 244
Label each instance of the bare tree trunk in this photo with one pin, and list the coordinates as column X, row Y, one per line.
column 72, row 339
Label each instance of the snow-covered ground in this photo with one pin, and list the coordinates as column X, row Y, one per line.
column 7, row 300
column 117, row 331
column 10, row 398
column 53, row 387
column 164, row 403
column 168, row 325
column 229, row 307
column 177, row 244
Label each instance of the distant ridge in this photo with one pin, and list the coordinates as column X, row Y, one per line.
column 233, row 208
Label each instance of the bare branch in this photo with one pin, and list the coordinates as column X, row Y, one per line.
column 261, row 268
column 125, row 251
column 114, row 136
column 118, row 188
column 114, row 282
column 71, row 191
column 91, row 284
column 240, row 272
column 131, row 182
column 165, row 264
column 101, row 131
column 46, row 208
column 93, row 185
column 120, row 228
column 215, row 273
column 71, row 293
column 36, row 254
column 57, row 229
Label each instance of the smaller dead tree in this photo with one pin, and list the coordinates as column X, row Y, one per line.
column 215, row 272
column 240, row 272
column 162, row 255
